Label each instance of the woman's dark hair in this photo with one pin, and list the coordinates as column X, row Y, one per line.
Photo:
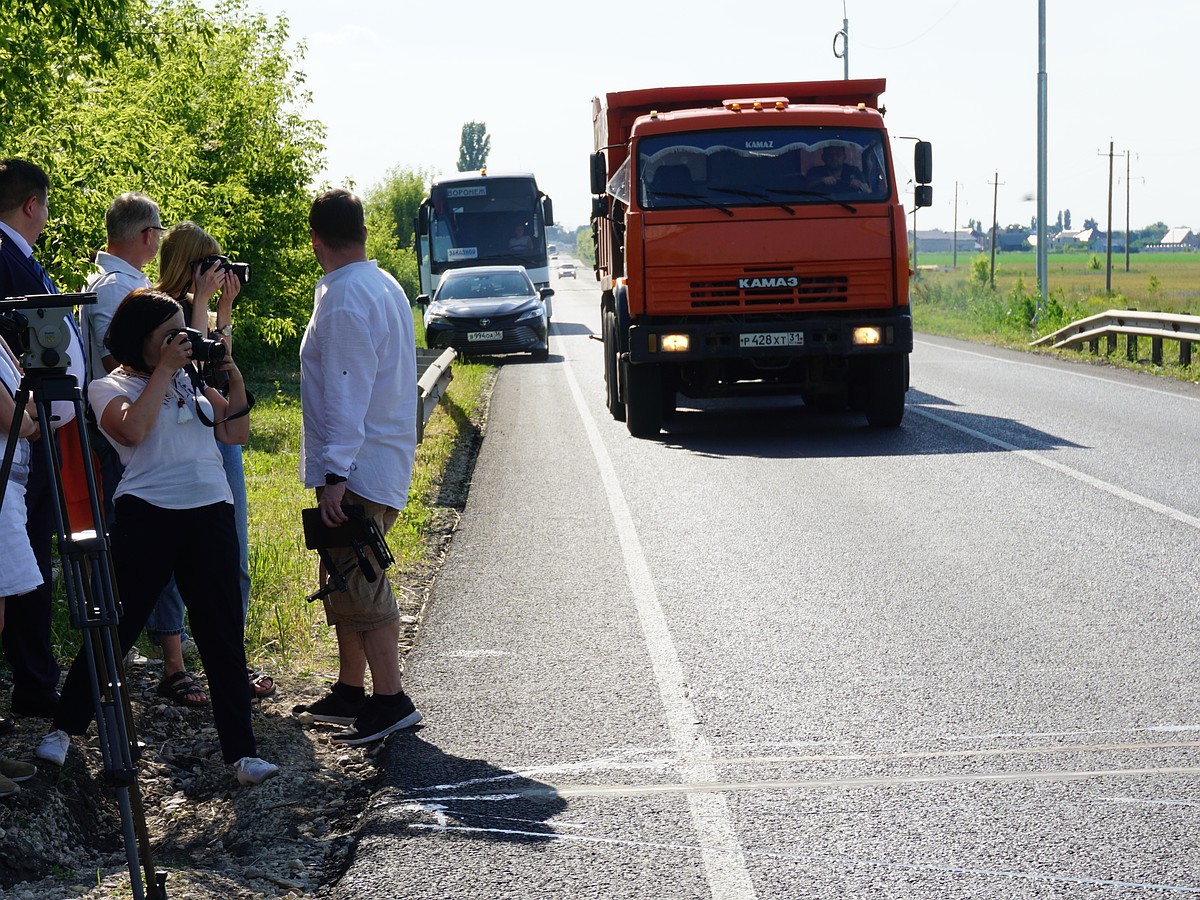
column 139, row 314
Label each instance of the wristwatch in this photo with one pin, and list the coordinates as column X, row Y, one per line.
column 331, row 480
column 227, row 330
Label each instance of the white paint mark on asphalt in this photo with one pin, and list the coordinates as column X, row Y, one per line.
column 552, row 791
column 1060, row 371
column 840, row 860
column 726, row 872
column 1146, row 502
column 475, row 654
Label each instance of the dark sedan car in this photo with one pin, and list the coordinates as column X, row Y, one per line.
column 488, row 310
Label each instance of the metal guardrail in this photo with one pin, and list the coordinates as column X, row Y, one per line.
column 1133, row 324
column 434, row 366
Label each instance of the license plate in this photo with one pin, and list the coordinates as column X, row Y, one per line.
column 771, row 339
column 485, row 336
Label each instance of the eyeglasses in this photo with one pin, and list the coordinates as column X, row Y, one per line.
column 153, row 228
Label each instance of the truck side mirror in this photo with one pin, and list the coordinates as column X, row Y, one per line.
column 923, row 162
column 600, row 206
column 923, row 195
column 599, row 172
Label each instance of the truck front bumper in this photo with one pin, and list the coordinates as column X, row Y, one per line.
column 693, row 340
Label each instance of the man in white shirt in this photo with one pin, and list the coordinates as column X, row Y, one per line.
column 134, row 229
column 358, row 392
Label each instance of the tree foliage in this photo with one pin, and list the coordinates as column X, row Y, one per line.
column 391, row 207
column 474, row 146
column 209, row 127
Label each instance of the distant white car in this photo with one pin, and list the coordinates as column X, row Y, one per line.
column 566, row 270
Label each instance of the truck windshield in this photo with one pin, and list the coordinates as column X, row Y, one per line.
column 762, row 167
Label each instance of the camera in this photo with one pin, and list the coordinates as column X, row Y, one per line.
column 203, row 350
column 240, row 270
column 39, row 322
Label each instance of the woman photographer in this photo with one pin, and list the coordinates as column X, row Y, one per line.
column 174, row 515
column 184, row 275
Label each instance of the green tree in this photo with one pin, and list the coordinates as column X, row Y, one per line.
column 474, row 146
column 391, row 207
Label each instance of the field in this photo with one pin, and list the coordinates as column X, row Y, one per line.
column 1166, row 282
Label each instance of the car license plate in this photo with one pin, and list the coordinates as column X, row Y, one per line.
column 485, row 336
column 771, row 339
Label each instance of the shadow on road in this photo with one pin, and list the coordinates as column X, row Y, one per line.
column 470, row 797
column 783, row 428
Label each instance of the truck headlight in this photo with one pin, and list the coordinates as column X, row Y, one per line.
column 870, row 334
column 675, row 343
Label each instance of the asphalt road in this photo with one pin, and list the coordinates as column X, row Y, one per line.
column 777, row 654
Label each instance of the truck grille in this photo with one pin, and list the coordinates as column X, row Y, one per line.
column 850, row 285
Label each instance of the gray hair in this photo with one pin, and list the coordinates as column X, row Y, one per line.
column 129, row 215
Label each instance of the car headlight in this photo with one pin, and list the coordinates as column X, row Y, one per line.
column 433, row 314
column 536, row 312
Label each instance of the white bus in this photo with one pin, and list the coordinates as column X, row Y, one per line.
column 477, row 219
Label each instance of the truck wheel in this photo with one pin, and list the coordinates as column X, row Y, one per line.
column 643, row 400
column 887, row 383
column 612, row 393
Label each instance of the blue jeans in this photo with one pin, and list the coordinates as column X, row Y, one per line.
column 167, row 615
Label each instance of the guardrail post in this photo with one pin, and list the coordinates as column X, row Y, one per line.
column 1110, row 344
column 1185, row 353
column 1094, row 346
column 1131, row 347
column 1156, row 351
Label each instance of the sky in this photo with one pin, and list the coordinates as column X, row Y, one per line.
column 395, row 81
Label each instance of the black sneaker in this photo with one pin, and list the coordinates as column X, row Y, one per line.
column 379, row 719
column 335, row 708
column 43, row 707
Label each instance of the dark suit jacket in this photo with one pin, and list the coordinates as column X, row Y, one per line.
column 18, row 276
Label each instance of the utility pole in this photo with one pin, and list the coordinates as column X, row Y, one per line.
column 1043, row 263
column 954, row 234
column 1108, row 237
column 995, row 227
column 844, row 34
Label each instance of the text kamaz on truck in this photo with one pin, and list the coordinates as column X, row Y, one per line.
column 749, row 240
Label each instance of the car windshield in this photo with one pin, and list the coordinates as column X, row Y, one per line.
column 479, row 285
column 762, row 167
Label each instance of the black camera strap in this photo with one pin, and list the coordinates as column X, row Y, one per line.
column 197, row 388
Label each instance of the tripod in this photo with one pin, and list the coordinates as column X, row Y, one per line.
column 95, row 610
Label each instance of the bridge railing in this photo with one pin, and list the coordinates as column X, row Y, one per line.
column 1131, row 323
column 434, row 376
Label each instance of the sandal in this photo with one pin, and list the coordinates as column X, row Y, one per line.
column 180, row 687
column 262, row 685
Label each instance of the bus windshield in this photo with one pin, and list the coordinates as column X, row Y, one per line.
column 762, row 166
column 486, row 221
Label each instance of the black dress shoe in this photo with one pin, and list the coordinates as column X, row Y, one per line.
column 6, row 725
column 42, row 708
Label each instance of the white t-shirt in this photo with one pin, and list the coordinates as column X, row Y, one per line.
column 111, row 284
column 178, row 465
column 358, row 385
column 18, row 567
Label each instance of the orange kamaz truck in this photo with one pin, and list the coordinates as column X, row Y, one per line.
column 750, row 240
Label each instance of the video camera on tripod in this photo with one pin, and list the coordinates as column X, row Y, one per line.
column 39, row 322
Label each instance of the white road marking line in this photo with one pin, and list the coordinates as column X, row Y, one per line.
column 559, row 791
column 848, row 861
column 1143, row 802
column 728, row 878
column 1138, row 499
column 1060, row 371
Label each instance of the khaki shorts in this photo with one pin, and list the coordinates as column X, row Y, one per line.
column 364, row 605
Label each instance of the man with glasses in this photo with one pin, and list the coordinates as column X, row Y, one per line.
column 134, row 229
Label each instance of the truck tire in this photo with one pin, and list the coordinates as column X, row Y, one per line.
column 887, row 383
column 612, row 392
column 643, row 400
